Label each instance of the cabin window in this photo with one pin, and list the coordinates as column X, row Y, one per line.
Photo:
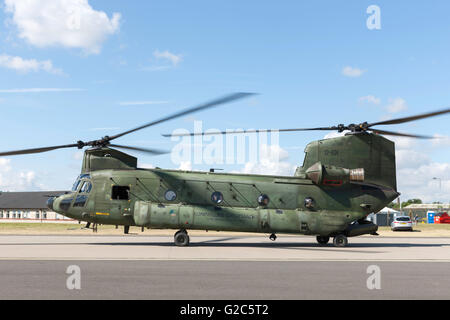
column 86, row 187
column 120, row 193
column 170, row 195
column 309, row 203
column 263, row 200
column 217, row 197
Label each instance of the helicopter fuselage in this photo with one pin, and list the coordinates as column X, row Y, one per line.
column 307, row 203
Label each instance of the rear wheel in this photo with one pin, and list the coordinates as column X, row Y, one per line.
column 322, row 240
column 340, row 241
column 181, row 239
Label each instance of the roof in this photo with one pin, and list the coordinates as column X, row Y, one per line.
column 425, row 206
column 388, row 210
column 26, row 200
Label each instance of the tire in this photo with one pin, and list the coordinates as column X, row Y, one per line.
column 181, row 239
column 322, row 240
column 340, row 241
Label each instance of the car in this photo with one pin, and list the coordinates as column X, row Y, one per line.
column 402, row 223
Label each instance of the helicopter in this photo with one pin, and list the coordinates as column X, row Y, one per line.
column 342, row 180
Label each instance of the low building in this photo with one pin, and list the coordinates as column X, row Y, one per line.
column 28, row 207
column 421, row 209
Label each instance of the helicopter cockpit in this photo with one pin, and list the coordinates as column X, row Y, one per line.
column 83, row 181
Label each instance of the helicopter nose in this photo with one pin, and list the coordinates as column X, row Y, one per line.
column 50, row 202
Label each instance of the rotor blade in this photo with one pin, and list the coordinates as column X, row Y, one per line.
column 399, row 134
column 36, row 150
column 412, row 118
column 214, row 103
column 246, row 131
column 152, row 151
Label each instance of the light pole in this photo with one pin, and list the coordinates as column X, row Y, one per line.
column 440, row 182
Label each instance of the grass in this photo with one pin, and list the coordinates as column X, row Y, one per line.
column 426, row 227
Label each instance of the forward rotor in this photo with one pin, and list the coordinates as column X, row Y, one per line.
column 106, row 141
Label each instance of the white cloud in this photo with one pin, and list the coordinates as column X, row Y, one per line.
column 23, row 65
column 396, row 105
column 416, row 169
column 168, row 56
column 418, row 182
column 66, row 23
column 370, row 99
column 335, row 134
column 272, row 161
column 39, row 90
column 13, row 180
column 352, row 72
column 440, row 141
column 411, row 159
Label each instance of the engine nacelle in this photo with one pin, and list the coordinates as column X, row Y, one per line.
column 333, row 176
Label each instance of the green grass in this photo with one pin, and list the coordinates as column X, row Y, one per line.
column 426, row 227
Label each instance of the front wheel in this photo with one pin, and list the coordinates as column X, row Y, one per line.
column 340, row 241
column 322, row 240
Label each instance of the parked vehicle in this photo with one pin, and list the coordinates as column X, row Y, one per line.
column 442, row 217
column 402, row 223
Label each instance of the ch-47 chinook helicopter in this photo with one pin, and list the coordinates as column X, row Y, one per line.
column 341, row 181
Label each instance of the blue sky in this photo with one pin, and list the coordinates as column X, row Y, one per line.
column 132, row 62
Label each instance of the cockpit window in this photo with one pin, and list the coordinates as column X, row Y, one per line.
column 86, row 187
column 76, row 184
column 78, row 181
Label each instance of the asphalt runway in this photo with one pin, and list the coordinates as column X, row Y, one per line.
column 151, row 267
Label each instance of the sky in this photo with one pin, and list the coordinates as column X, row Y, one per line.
column 81, row 69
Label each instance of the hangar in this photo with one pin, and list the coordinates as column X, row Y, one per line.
column 28, row 207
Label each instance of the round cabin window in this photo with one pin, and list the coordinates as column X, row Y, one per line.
column 217, row 197
column 309, row 202
column 170, row 195
column 263, row 200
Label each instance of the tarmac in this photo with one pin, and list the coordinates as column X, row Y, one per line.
column 223, row 267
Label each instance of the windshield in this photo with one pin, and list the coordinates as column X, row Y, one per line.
column 403, row 219
column 78, row 181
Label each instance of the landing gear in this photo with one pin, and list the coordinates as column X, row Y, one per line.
column 181, row 238
column 340, row 240
column 126, row 229
column 273, row 237
column 322, row 240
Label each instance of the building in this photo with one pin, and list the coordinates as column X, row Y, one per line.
column 421, row 209
column 28, row 207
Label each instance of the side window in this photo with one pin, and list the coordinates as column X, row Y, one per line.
column 120, row 193
column 217, row 197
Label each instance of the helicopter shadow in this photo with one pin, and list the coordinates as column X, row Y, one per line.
column 224, row 243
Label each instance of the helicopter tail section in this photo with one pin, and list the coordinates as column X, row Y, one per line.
column 363, row 158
